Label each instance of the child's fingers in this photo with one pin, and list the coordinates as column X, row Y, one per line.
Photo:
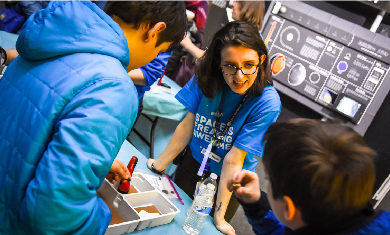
column 125, row 172
column 235, row 180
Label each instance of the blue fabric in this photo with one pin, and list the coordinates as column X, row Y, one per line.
column 152, row 72
column 247, row 130
column 100, row 3
column 11, row 20
column 269, row 224
column 380, row 225
column 66, row 105
column 8, row 40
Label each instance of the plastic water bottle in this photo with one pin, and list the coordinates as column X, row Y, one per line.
column 212, row 179
column 199, row 210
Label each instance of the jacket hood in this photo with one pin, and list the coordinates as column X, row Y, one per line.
column 71, row 27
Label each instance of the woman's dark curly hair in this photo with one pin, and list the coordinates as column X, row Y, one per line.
column 237, row 33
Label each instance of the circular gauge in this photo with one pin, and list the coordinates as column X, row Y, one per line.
column 297, row 75
column 278, row 64
column 314, row 77
column 290, row 36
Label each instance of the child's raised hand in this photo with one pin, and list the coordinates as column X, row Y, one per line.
column 245, row 185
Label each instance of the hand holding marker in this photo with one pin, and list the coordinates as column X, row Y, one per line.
column 124, row 185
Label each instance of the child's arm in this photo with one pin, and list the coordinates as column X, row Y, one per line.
column 151, row 72
column 246, row 187
column 191, row 47
column 261, row 217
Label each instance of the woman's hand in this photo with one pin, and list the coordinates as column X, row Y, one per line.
column 156, row 167
column 117, row 172
column 150, row 162
column 224, row 226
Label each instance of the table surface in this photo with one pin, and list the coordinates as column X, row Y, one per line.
column 8, row 40
column 162, row 103
column 175, row 227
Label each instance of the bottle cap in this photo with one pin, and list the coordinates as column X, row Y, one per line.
column 213, row 176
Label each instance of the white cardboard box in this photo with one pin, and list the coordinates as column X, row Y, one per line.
column 124, row 204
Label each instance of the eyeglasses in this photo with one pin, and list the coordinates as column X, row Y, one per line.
column 247, row 69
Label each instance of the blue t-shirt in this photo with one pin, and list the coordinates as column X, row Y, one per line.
column 152, row 71
column 247, row 130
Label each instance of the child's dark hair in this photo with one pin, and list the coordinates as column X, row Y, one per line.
column 237, row 33
column 152, row 12
column 325, row 168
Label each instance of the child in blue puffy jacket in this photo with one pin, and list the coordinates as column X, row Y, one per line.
column 67, row 104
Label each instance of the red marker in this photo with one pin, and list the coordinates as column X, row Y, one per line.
column 160, row 80
column 133, row 162
column 124, row 185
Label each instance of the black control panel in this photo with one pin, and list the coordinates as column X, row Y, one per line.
column 337, row 68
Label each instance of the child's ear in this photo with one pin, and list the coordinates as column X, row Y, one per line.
column 290, row 211
column 155, row 30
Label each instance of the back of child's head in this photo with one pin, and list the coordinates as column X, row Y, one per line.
column 325, row 168
column 236, row 33
column 151, row 12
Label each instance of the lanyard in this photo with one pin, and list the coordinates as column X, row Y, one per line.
column 216, row 140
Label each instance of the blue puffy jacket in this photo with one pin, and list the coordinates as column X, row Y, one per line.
column 66, row 106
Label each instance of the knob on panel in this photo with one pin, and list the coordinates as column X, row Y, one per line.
column 278, row 64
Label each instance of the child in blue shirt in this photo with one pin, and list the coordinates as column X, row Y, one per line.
column 148, row 74
column 145, row 76
column 230, row 97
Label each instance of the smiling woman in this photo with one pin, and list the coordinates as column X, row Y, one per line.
column 239, row 66
column 238, row 45
column 231, row 103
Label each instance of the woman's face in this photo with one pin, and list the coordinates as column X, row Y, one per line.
column 236, row 7
column 234, row 57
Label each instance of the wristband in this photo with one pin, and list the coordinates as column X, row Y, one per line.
column 156, row 171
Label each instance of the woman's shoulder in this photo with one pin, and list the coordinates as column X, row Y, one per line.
column 269, row 100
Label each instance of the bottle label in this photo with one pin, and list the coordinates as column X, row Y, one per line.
column 197, row 188
column 204, row 210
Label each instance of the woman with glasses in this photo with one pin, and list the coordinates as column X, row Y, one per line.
column 231, row 103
